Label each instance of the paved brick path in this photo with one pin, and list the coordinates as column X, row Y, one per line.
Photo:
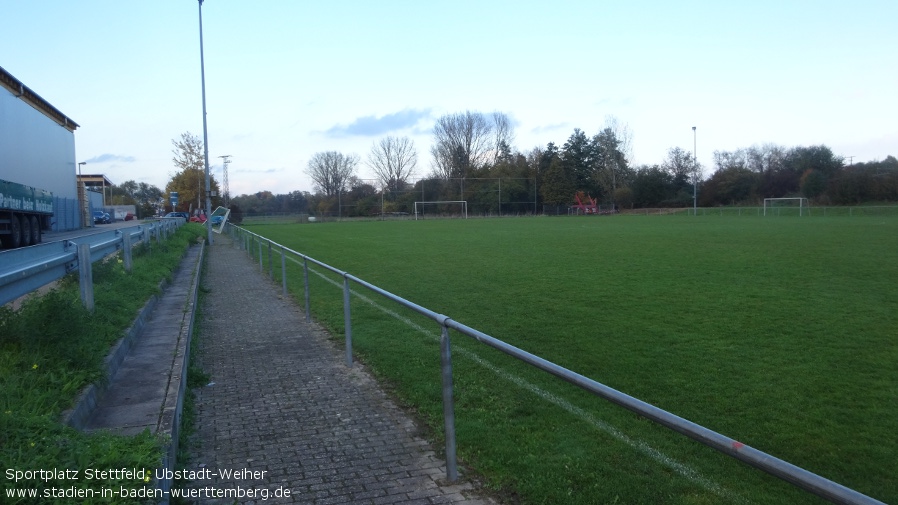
column 282, row 401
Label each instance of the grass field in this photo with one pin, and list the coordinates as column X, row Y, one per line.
column 779, row 332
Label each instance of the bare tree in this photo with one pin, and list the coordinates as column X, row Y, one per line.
column 394, row 161
column 623, row 134
column 679, row 163
column 462, row 142
column 188, row 152
column 503, row 135
column 765, row 158
column 331, row 171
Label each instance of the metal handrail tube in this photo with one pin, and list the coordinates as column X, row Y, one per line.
column 797, row 476
column 439, row 318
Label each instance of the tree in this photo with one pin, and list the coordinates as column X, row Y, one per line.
column 558, row 185
column 394, row 161
column 609, row 163
column 577, row 159
column 146, row 197
column 679, row 164
column 651, row 186
column 331, row 171
column 813, row 183
column 188, row 153
column 467, row 141
column 503, row 135
column 129, row 187
column 190, row 181
column 730, row 186
column 623, row 134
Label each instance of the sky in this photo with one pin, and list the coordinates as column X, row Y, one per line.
column 285, row 79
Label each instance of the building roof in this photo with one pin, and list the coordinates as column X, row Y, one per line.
column 25, row 93
column 94, row 180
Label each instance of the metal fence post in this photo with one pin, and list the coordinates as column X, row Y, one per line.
column 284, row 272
column 448, row 405
column 270, row 264
column 347, row 322
column 126, row 251
column 85, row 277
column 305, row 276
column 261, row 266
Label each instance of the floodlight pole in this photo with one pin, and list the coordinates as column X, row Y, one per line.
column 82, row 196
column 205, row 133
column 694, row 175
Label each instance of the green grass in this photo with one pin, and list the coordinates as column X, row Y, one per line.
column 778, row 332
column 51, row 349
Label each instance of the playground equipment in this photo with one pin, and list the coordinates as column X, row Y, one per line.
column 585, row 208
column 591, row 207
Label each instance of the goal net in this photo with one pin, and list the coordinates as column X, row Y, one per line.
column 442, row 208
column 787, row 207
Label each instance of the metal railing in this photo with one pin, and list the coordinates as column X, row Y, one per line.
column 784, row 470
column 808, row 211
column 26, row 269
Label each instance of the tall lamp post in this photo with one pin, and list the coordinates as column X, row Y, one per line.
column 205, row 133
column 82, row 195
column 694, row 176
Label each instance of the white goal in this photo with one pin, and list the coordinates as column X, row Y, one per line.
column 441, row 206
column 776, row 206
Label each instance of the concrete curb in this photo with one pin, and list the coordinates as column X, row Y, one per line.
column 170, row 417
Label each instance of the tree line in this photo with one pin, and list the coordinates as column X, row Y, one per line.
column 471, row 159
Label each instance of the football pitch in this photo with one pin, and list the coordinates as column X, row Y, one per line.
column 779, row 332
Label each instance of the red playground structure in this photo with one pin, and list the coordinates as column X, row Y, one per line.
column 591, row 207
column 586, row 208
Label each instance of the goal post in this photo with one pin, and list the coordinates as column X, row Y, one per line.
column 775, row 204
column 463, row 203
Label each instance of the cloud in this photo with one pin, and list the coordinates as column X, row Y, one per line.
column 108, row 158
column 256, row 171
column 372, row 125
column 550, row 128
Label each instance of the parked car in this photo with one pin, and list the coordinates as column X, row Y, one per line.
column 182, row 215
column 101, row 217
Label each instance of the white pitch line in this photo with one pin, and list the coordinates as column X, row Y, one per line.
column 682, row 469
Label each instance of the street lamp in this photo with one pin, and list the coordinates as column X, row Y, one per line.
column 694, row 175
column 205, row 132
column 82, row 196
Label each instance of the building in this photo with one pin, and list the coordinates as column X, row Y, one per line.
column 37, row 148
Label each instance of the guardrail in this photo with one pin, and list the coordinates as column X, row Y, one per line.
column 784, row 470
column 26, row 269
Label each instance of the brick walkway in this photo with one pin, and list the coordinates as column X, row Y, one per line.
column 281, row 401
